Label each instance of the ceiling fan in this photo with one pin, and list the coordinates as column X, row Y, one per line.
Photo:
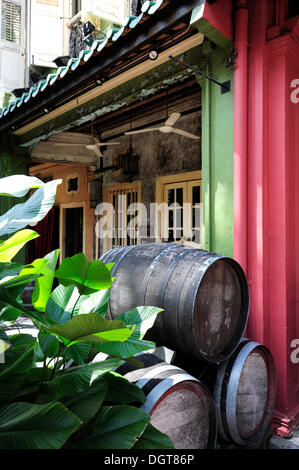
column 167, row 128
column 94, row 144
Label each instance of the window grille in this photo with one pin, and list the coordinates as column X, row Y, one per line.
column 11, row 22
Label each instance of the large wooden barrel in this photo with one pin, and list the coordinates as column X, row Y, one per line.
column 179, row 405
column 204, row 296
column 244, row 390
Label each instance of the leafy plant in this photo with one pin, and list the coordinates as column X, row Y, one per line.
column 54, row 392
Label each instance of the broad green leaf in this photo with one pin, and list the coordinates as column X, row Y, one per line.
column 96, row 303
column 126, row 349
column 10, row 269
column 43, row 285
column 87, row 403
column 31, row 211
column 77, row 379
column 18, row 185
column 16, row 285
column 21, row 341
column 9, row 314
column 110, row 266
column 87, row 276
column 152, row 438
column 92, row 327
column 48, row 344
column 61, row 304
column 28, row 426
column 35, row 267
column 115, row 427
column 19, row 344
column 39, row 320
column 12, row 377
column 79, row 352
column 142, row 317
column 121, row 391
column 9, row 248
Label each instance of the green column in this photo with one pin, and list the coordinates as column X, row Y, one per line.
column 13, row 161
column 217, row 149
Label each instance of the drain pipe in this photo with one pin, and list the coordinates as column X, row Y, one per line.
column 241, row 133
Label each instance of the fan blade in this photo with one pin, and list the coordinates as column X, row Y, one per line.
column 186, row 134
column 172, row 119
column 60, row 144
column 142, row 130
column 103, row 144
column 98, row 152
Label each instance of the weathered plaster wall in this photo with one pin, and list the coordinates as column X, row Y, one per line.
column 160, row 155
column 63, row 171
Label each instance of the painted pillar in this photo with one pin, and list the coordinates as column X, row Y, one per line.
column 273, row 216
column 217, row 129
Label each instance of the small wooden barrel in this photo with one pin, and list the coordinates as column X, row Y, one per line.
column 204, row 296
column 179, row 405
column 244, row 389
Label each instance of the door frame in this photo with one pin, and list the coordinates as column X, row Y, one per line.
column 63, row 207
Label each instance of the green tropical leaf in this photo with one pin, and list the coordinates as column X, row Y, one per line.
column 126, row 349
column 49, row 344
column 31, row 211
column 152, row 438
column 16, row 285
column 77, row 379
column 28, row 426
column 9, row 248
column 43, row 285
column 10, row 269
column 38, row 319
column 87, row 403
column 12, row 377
column 121, row 391
column 79, row 352
column 87, row 276
column 92, row 327
column 18, row 185
column 61, row 304
column 115, row 427
column 95, row 303
column 142, row 317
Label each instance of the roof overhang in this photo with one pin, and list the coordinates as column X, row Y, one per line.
column 113, row 64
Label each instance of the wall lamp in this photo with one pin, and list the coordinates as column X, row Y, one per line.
column 153, row 55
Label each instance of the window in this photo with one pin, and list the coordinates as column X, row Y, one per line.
column 11, row 22
column 179, row 213
column 72, row 185
column 124, row 223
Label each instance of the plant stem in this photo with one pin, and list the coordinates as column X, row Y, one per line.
column 75, row 305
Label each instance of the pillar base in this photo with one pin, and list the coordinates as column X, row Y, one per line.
column 283, row 424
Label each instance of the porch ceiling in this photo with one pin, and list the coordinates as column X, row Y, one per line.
column 160, row 26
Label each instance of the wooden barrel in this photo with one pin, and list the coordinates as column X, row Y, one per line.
column 244, row 389
column 179, row 405
column 204, row 296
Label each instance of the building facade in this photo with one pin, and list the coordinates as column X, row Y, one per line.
column 187, row 105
